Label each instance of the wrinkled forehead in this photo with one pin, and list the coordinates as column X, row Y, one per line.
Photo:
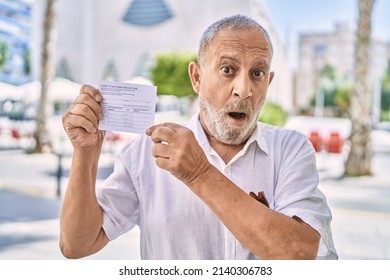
column 250, row 41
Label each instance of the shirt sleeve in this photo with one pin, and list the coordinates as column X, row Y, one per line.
column 297, row 194
column 118, row 198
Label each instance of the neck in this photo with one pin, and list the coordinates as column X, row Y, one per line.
column 225, row 151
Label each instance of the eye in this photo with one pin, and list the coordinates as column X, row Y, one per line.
column 258, row 74
column 227, row 70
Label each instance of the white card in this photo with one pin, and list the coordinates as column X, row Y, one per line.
column 127, row 107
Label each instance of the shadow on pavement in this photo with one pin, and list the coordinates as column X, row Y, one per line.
column 103, row 172
column 18, row 207
column 10, row 240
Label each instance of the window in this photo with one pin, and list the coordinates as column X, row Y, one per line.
column 319, row 49
column 146, row 13
column 110, row 72
column 63, row 70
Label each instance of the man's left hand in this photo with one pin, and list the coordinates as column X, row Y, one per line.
column 177, row 151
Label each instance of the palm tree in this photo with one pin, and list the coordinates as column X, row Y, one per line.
column 359, row 159
column 41, row 134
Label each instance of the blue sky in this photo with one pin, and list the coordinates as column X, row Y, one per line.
column 292, row 17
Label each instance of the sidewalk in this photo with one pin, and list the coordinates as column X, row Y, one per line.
column 29, row 208
column 360, row 208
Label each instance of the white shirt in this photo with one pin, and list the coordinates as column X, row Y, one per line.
column 176, row 224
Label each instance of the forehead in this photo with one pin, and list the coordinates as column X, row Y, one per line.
column 248, row 41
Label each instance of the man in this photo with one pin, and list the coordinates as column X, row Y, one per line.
column 187, row 187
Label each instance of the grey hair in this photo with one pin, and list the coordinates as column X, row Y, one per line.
column 239, row 22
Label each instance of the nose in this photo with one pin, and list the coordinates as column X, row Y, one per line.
column 242, row 87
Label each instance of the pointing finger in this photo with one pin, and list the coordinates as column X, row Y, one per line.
column 171, row 126
column 162, row 134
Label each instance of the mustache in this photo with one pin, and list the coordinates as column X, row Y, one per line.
column 242, row 106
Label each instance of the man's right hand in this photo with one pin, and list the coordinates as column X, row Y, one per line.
column 81, row 120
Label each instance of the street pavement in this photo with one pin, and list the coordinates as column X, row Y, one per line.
column 29, row 208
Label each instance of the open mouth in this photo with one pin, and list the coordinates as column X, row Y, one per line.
column 237, row 115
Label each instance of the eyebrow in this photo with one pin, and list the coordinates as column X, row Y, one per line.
column 258, row 62
column 228, row 58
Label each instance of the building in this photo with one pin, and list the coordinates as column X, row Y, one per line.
column 15, row 41
column 336, row 49
column 97, row 40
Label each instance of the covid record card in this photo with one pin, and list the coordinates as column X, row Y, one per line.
column 127, row 107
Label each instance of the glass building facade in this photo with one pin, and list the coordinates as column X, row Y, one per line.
column 15, row 41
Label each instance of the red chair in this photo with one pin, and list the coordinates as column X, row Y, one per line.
column 335, row 143
column 15, row 134
column 316, row 140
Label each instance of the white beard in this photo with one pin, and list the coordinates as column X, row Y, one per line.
column 219, row 127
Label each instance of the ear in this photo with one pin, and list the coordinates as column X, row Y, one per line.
column 194, row 73
column 271, row 77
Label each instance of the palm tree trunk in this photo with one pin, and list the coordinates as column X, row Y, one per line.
column 42, row 140
column 359, row 159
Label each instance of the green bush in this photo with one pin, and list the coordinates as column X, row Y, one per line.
column 170, row 74
column 273, row 114
column 3, row 54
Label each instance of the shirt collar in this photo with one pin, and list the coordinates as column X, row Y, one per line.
column 257, row 136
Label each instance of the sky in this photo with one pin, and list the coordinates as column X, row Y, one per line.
column 292, row 17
